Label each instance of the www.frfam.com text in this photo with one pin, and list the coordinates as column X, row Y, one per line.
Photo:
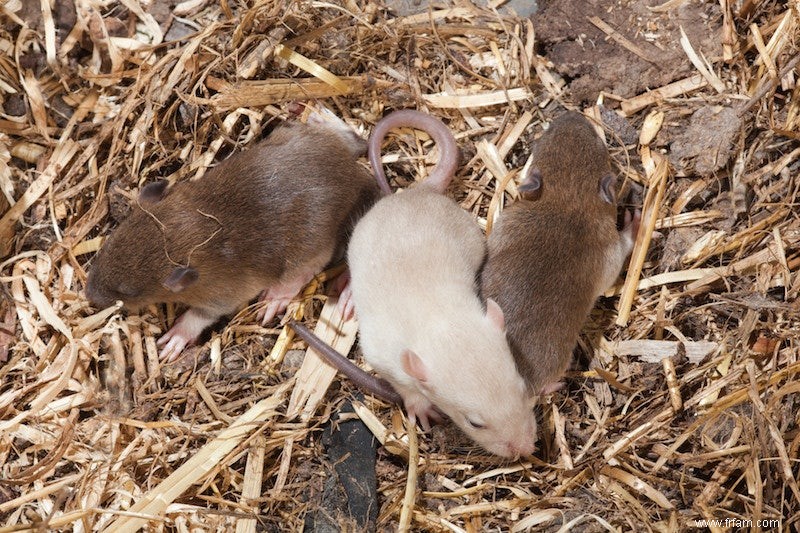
column 765, row 523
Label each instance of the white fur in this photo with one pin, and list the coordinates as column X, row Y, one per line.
column 413, row 260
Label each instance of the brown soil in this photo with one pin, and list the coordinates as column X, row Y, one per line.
column 592, row 63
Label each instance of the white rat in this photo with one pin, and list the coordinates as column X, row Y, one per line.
column 414, row 260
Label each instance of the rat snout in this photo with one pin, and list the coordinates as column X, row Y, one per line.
column 97, row 295
column 523, row 449
column 94, row 295
column 523, row 442
column 98, row 300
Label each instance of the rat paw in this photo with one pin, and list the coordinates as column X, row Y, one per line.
column 341, row 286
column 341, row 283
column 550, row 388
column 345, row 304
column 172, row 344
column 429, row 417
column 630, row 229
column 184, row 332
column 632, row 222
column 420, row 409
column 275, row 307
column 278, row 296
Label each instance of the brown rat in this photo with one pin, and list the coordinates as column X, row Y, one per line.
column 414, row 260
column 265, row 220
column 554, row 251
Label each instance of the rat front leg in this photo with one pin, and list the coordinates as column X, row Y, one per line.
column 184, row 332
column 418, row 407
column 617, row 254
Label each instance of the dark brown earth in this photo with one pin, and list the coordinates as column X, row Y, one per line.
column 593, row 63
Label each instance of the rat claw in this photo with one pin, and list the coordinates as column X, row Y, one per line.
column 266, row 314
column 421, row 417
column 349, row 310
column 423, row 421
column 630, row 230
column 274, row 308
column 632, row 221
column 431, row 415
column 341, row 286
column 420, row 409
column 172, row 344
column 184, row 332
column 342, row 282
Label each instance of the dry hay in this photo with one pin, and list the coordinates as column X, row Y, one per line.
column 658, row 431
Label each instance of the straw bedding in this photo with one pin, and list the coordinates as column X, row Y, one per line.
column 682, row 403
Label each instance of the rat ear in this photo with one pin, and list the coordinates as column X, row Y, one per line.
column 181, row 278
column 608, row 186
column 495, row 314
column 531, row 186
column 153, row 192
column 414, row 366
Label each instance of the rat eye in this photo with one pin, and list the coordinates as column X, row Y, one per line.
column 475, row 425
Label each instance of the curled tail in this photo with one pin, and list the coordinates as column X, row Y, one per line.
column 379, row 387
column 445, row 169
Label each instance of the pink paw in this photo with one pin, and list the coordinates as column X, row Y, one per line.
column 272, row 309
column 341, row 283
column 341, row 286
column 184, row 332
column 345, row 305
column 172, row 344
column 423, row 411
column 550, row 388
column 629, row 231
column 632, row 223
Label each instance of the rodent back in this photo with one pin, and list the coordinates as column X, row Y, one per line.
column 543, row 270
column 417, row 235
column 283, row 197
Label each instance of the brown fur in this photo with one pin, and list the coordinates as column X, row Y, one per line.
column 550, row 258
column 263, row 213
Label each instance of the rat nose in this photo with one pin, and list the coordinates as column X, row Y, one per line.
column 513, row 450
column 92, row 294
column 96, row 295
column 521, row 450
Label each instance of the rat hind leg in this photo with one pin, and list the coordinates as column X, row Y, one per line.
column 277, row 296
